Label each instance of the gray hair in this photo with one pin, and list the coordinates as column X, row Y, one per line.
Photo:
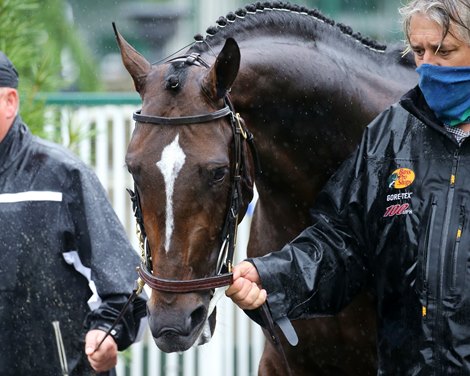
column 448, row 14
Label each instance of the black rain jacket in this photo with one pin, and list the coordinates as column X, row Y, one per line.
column 395, row 217
column 59, row 240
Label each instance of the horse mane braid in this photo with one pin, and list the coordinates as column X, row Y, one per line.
column 259, row 6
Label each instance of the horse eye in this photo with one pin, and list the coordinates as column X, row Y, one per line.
column 218, row 175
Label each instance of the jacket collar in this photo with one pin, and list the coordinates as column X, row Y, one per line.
column 16, row 139
column 415, row 104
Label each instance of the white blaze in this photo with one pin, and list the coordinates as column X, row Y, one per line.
column 170, row 165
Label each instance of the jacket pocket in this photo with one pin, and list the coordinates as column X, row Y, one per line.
column 457, row 260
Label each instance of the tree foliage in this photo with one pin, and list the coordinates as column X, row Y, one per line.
column 36, row 35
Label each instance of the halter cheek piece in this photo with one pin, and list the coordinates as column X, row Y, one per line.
column 223, row 275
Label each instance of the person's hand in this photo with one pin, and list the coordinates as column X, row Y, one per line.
column 105, row 357
column 246, row 291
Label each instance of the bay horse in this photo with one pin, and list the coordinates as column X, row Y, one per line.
column 305, row 87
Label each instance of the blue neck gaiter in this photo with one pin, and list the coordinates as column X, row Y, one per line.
column 447, row 92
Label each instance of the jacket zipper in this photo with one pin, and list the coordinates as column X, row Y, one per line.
column 440, row 275
column 426, row 257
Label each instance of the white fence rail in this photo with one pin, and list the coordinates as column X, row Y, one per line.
column 104, row 132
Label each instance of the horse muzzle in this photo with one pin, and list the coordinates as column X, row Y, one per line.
column 177, row 328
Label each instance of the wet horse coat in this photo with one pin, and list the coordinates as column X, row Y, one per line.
column 306, row 88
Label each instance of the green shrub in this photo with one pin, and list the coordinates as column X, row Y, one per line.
column 34, row 34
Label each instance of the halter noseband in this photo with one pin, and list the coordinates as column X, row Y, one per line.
column 229, row 232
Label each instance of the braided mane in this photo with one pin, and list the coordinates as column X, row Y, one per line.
column 277, row 11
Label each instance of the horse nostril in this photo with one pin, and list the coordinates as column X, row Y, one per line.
column 181, row 323
column 197, row 316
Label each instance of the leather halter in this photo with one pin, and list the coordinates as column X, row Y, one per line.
column 229, row 232
column 183, row 120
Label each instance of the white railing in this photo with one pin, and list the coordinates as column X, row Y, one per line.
column 104, row 132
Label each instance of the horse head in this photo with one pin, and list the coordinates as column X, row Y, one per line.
column 193, row 175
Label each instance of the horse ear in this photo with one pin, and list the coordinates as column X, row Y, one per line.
column 137, row 66
column 224, row 71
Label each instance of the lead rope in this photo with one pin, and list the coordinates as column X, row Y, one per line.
column 272, row 336
column 139, row 284
column 264, row 310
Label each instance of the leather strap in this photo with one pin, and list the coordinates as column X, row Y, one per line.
column 271, row 335
column 184, row 286
column 135, row 292
column 288, row 330
column 182, row 120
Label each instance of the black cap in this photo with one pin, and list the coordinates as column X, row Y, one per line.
column 8, row 72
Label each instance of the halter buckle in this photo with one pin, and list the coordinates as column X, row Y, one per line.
column 238, row 118
column 192, row 58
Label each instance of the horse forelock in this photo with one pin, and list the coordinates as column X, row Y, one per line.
column 176, row 75
column 273, row 18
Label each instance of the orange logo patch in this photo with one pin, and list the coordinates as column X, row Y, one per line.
column 401, row 178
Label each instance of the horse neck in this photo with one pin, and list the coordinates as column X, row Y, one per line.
column 276, row 91
column 293, row 84
column 285, row 89
column 330, row 62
